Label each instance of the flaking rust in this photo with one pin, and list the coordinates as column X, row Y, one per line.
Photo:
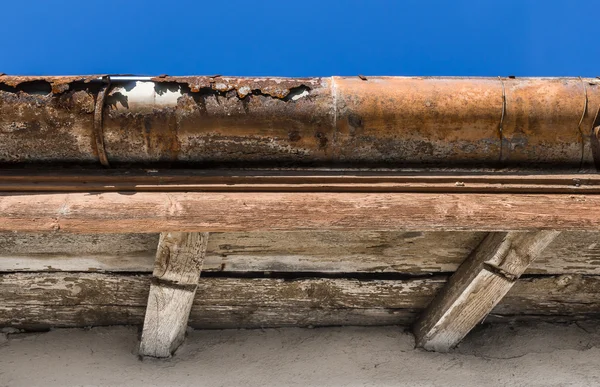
column 395, row 122
column 274, row 87
column 221, row 121
column 58, row 84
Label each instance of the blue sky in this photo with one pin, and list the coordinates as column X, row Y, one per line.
column 302, row 37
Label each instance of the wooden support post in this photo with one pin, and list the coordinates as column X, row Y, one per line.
column 477, row 287
column 179, row 259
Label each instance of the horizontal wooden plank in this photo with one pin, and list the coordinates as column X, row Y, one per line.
column 570, row 252
column 82, row 299
column 77, row 252
column 213, row 212
column 37, row 317
column 304, row 251
column 294, row 251
column 553, row 295
column 225, row 317
column 335, row 251
column 132, row 290
column 278, row 180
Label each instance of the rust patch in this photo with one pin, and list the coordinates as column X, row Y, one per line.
column 279, row 88
column 45, row 127
column 595, row 140
column 216, row 121
column 322, row 138
column 59, row 84
column 294, row 135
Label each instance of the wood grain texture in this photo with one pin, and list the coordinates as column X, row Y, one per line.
column 166, row 320
column 77, row 252
column 566, row 295
column 41, row 300
column 133, row 290
column 304, row 251
column 203, row 212
column 40, row 317
column 179, row 258
column 340, row 251
column 478, row 286
column 572, row 252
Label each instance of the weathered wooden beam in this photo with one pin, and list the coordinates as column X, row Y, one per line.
column 478, row 286
column 42, row 300
column 572, row 252
column 175, row 278
column 233, row 211
column 278, row 251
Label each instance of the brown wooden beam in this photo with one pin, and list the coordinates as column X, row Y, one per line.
column 175, row 278
column 477, row 287
column 206, row 211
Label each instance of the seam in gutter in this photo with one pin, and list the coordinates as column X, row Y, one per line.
column 500, row 128
column 335, row 113
column 98, row 124
column 595, row 144
column 585, row 106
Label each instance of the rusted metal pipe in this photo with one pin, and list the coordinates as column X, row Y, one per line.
column 390, row 122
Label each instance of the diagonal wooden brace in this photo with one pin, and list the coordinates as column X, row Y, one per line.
column 179, row 259
column 477, row 287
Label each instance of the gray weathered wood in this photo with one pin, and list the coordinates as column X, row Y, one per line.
column 571, row 252
column 179, row 260
column 77, row 252
column 132, row 290
column 166, row 320
column 478, row 286
column 341, row 251
column 310, row 251
column 41, row 300
column 36, row 317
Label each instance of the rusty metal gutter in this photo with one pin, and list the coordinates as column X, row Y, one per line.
column 390, row 122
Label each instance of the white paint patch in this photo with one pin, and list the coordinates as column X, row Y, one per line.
column 167, row 98
column 221, row 87
column 64, row 209
column 144, row 95
column 301, row 95
column 244, row 91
